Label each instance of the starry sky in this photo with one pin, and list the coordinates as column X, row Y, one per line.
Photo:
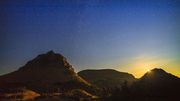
column 127, row 35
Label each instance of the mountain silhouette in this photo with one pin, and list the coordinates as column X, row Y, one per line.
column 157, row 77
column 44, row 71
column 157, row 83
column 51, row 73
column 107, row 78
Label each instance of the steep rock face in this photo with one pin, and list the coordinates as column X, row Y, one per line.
column 45, row 70
column 106, row 77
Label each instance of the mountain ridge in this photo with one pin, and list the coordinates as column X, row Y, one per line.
column 106, row 77
column 51, row 72
column 157, row 74
column 44, row 70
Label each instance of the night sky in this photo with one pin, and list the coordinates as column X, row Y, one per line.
column 127, row 35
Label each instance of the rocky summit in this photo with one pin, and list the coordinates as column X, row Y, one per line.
column 45, row 71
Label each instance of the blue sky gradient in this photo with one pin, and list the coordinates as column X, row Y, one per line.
column 92, row 33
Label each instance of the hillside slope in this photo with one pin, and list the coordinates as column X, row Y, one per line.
column 107, row 78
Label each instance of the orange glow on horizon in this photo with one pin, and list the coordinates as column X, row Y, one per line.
column 143, row 64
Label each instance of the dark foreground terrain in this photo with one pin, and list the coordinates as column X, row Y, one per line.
column 50, row 77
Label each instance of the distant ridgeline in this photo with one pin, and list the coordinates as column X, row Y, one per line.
column 50, row 76
column 107, row 78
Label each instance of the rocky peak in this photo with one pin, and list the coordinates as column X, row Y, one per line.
column 158, row 70
column 158, row 74
column 51, row 52
column 45, row 70
column 48, row 60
